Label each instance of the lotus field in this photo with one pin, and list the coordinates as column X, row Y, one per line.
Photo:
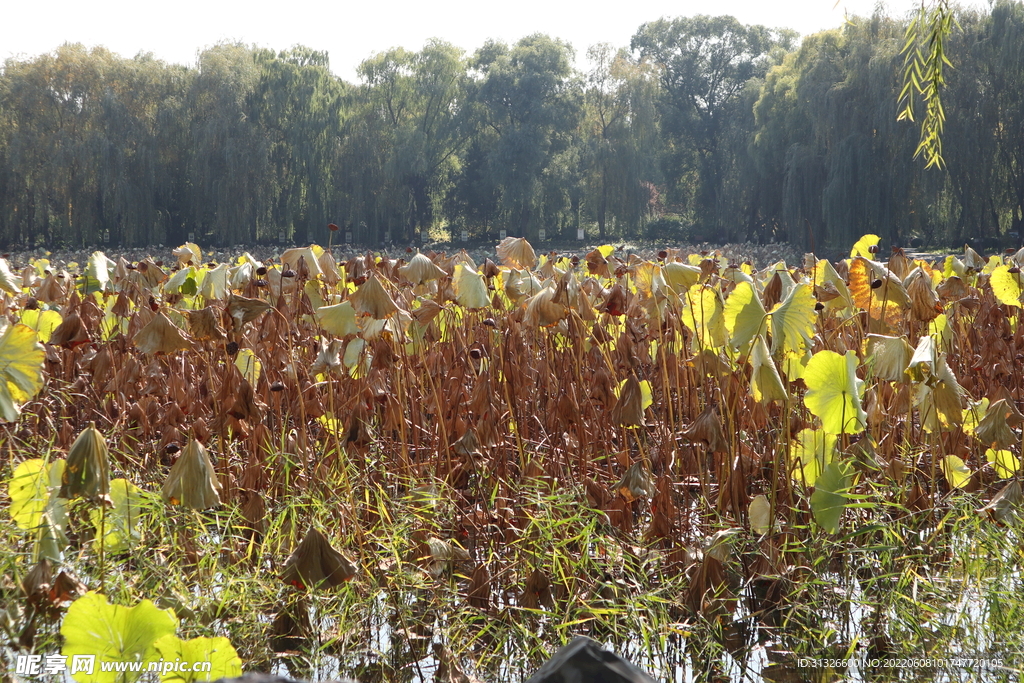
column 434, row 469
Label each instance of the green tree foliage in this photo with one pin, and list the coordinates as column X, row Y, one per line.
column 731, row 129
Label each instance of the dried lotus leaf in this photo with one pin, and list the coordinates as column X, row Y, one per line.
column 373, row 300
column 160, row 335
column 243, row 310
column 636, row 483
column 420, row 269
column 205, row 324
column 192, row 481
column 516, row 252
column 316, row 562
column 87, row 470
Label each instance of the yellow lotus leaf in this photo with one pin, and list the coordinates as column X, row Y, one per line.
column 759, row 512
column 160, row 335
column 827, row 279
column 862, row 247
column 9, row 282
column 792, row 321
column 744, row 315
column 878, row 291
column 681, row 276
column 21, row 369
column 703, row 313
column 834, row 392
column 956, row 471
column 1008, row 287
column 1003, row 462
column 765, row 383
column 43, row 322
column 215, row 283
column 810, row 452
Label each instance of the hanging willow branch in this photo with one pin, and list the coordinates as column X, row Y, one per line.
column 923, row 76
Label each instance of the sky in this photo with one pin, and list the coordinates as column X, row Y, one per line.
column 352, row 31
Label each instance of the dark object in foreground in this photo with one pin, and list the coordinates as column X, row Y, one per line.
column 265, row 678
column 585, row 661
column 581, row 661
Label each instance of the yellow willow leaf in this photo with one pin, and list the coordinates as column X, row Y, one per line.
column 890, row 356
column 834, row 392
column 956, row 471
column 765, row 383
column 1003, row 462
column 703, row 313
column 862, row 247
column 792, row 321
column 470, row 288
column 248, row 363
column 339, row 320
column 812, row 450
column 1007, row 286
column 21, row 369
column 43, row 322
column 744, row 315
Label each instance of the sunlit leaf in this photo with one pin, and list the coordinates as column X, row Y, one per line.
column 811, row 451
column 792, row 321
column 248, row 363
column 218, row 653
column 956, row 471
column 1003, row 462
column 113, row 633
column 760, row 514
column 1007, row 286
column 765, row 383
column 744, row 315
column 830, row 495
column 834, row 392
column 862, row 247
column 21, row 366
column 119, row 524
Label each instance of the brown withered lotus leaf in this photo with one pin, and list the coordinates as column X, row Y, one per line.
column 70, row 332
column 205, row 324
column 891, row 356
column 316, row 562
column 973, row 259
column 924, row 302
column 245, row 406
column 900, row 264
column 37, row 582
column 192, row 481
column 952, row 288
column 614, row 301
column 707, row 429
column 122, row 305
column 373, row 300
column 420, row 269
column 186, row 255
column 636, row 483
column 243, row 310
column 543, row 310
column 826, row 292
column 597, row 264
column 148, row 274
column 437, row 554
column 87, row 470
column 479, row 593
column 994, row 429
column 1005, row 506
column 491, row 269
column 628, row 410
column 160, row 335
column 66, row 587
column 427, row 311
column 54, row 288
column 537, row 591
column 329, row 268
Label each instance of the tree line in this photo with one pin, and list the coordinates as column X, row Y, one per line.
column 702, row 129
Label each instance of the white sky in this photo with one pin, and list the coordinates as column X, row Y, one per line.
column 352, row 31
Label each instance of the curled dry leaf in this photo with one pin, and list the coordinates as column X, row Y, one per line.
column 70, row 332
column 636, row 483
column 707, row 428
column 205, row 324
column 87, row 472
column 629, row 409
column 994, row 429
column 160, row 335
column 192, row 481
column 420, row 269
column 516, row 252
column 373, row 300
column 316, row 562
column 243, row 310
column 924, row 302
